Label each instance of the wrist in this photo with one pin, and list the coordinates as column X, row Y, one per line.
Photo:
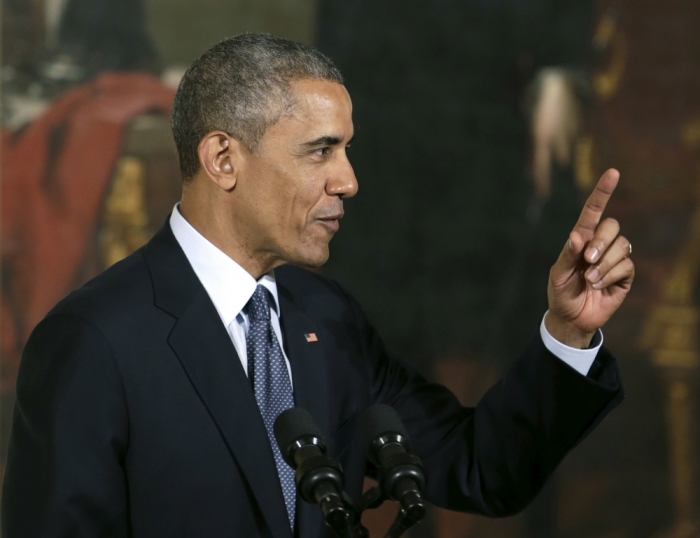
column 567, row 333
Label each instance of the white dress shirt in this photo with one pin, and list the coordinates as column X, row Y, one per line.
column 230, row 287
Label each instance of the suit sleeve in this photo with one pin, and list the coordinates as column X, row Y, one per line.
column 494, row 458
column 69, row 435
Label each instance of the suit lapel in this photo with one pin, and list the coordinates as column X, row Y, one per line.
column 204, row 348
column 309, row 376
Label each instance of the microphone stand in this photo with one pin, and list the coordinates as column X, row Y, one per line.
column 324, row 484
column 343, row 517
column 320, row 480
column 410, row 514
column 404, row 521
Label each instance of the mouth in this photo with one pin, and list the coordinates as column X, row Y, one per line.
column 331, row 222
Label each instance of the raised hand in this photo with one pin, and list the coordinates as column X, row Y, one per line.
column 593, row 274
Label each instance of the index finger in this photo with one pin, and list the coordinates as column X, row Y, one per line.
column 595, row 205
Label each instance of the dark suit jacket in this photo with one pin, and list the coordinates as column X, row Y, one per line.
column 135, row 417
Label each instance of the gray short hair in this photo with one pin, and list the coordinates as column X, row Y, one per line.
column 241, row 86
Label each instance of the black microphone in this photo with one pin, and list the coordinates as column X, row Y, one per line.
column 401, row 475
column 319, row 478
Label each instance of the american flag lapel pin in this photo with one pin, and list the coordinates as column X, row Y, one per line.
column 311, row 337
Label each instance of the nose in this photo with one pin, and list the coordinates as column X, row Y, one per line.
column 343, row 182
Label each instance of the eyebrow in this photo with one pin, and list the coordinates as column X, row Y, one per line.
column 325, row 141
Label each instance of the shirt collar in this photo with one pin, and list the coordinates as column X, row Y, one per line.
column 229, row 286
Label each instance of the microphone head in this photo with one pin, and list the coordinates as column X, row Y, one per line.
column 380, row 421
column 292, row 425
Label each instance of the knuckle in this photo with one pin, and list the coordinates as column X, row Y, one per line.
column 625, row 269
column 601, row 243
column 595, row 208
column 612, row 223
column 623, row 244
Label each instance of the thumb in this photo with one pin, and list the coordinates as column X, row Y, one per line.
column 570, row 257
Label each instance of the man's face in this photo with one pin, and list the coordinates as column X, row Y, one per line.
column 293, row 185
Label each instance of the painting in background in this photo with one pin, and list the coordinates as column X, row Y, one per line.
column 80, row 89
column 647, row 123
column 448, row 243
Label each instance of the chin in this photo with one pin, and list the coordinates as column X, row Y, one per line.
column 312, row 257
column 316, row 262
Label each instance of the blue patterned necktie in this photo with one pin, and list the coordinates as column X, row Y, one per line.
column 273, row 389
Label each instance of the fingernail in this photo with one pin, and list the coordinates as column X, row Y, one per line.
column 592, row 275
column 570, row 244
column 597, row 285
column 592, row 254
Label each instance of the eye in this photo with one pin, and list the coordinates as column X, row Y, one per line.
column 322, row 152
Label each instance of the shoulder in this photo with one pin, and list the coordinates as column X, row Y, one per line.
column 313, row 292
column 301, row 281
column 74, row 345
column 125, row 286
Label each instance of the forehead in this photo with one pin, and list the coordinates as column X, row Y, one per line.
column 320, row 97
column 318, row 108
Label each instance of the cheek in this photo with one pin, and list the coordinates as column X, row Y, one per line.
column 306, row 201
column 293, row 196
column 279, row 197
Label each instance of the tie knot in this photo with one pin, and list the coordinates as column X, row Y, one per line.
column 258, row 306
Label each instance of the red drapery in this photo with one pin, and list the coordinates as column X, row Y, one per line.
column 55, row 174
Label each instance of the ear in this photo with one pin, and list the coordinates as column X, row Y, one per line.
column 221, row 157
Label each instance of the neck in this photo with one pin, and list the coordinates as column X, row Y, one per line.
column 211, row 217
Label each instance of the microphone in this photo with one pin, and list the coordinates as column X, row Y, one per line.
column 401, row 475
column 319, row 477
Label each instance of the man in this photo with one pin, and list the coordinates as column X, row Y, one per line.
column 145, row 399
